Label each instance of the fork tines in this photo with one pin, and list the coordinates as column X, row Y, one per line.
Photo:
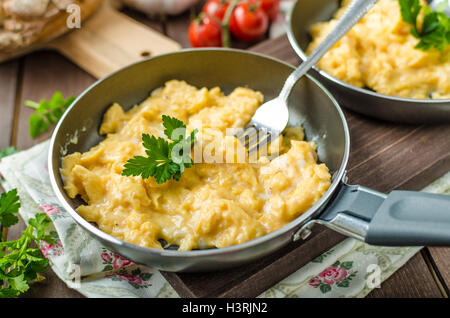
column 254, row 138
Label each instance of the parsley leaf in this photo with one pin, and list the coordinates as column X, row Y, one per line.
column 47, row 113
column 23, row 262
column 8, row 151
column 435, row 31
column 19, row 283
column 174, row 127
column 409, row 10
column 9, row 206
column 159, row 162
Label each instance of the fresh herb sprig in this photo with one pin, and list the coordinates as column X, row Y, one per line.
column 9, row 206
column 8, row 151
column 435, row 30
column 21, row 260
column 165, row 159
column 47, row 113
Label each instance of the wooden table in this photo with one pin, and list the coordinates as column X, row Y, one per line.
column 375, row 145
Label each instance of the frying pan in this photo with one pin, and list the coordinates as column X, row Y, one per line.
column 400, row 218
column 304, row 14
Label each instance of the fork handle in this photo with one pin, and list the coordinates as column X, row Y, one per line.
column 354, row 13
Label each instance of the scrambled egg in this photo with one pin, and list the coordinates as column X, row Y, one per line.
column 378, row 53
column 213, row 204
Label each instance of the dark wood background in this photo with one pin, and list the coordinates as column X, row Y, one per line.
column 384, row 156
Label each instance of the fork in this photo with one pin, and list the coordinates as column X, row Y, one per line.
column 271, row 118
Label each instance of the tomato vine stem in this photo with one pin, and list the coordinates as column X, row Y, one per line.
column 226, row 23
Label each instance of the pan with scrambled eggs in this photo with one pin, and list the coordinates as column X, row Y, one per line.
column 213, row 204
column 378, row 53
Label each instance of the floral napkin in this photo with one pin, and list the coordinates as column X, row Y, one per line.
column 350, row 269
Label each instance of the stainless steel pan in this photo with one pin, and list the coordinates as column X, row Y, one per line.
column 417, row 219
column 304, row 14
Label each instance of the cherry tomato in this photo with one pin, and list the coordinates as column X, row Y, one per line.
column 271, row 7
column 249, row 21
column 205, row 32
column 216, row 8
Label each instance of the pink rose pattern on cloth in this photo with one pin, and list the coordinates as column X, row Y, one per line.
column 53, row 211
column 113, row 261
column 132, row 279
column 135, row 278
column 338, row 275
column 120, row 264
column 333, row 275
column 51, row 249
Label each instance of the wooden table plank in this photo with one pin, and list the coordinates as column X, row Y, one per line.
column 371, row 137
column 413, row 280
column 441, row 261
column 278, row 48
column 9, row 73
column 424, row 149
column 44, row 73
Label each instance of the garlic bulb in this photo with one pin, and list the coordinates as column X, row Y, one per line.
column 26, row 8
column 151, row 7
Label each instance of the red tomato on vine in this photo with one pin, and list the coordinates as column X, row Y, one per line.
column 249, row 21
column 205, row 32
column 271, row 7
column 216, row 8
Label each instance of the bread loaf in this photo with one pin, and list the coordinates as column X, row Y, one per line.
column 26, row 23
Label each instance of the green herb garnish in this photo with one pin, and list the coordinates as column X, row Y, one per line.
column 165, row 159
column 435, row 31
column 20, row 260
column 47, row 113
column 8, row 151
column 9, row 206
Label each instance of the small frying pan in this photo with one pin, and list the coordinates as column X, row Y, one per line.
column 400, row 218
column 304, row 14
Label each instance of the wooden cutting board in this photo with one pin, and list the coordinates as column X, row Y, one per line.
column 106, row 42
column 383, row 156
